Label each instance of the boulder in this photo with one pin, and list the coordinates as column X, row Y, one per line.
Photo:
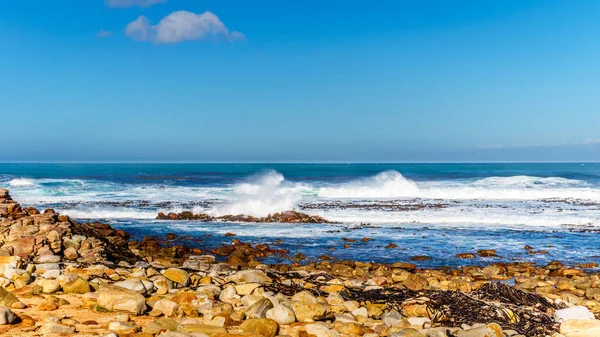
column 115, row 298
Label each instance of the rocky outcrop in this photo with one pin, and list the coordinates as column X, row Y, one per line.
column 32, row 235
column 283, row 217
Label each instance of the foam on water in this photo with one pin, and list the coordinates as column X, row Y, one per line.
column 391, row 184
column 262, row 194
column 99, row 213
column 19, row 182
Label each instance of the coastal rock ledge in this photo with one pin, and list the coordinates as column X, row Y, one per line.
column 59, row 277
column 283, row 217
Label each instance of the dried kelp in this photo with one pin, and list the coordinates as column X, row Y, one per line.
column 528, row 314
column 511, row 308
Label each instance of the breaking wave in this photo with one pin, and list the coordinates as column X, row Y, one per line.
column 262, row 194
column 391, row 184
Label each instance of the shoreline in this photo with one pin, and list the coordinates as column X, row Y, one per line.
column 61, row 276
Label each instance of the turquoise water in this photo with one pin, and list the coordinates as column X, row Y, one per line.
column 426, row 209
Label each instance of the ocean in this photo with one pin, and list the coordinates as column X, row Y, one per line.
column 438, row 210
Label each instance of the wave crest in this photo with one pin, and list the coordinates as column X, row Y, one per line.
column 262, row 194
column 387, row 184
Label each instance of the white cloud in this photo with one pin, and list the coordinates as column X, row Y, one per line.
column 103, row 33
column 132, row 3
column 180, row 26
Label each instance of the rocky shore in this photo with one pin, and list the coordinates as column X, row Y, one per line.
column 61, row 277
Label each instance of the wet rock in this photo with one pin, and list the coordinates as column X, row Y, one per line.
column 487, row 253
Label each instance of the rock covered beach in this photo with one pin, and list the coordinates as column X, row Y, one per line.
column 61, row 277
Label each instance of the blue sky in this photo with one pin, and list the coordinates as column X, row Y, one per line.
column 272, row 80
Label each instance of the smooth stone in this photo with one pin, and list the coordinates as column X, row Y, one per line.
column 251, row 276
column 577, row 312
column 167, row 307
column 177, row 275
column 259, row 309
column 282, row 314
column 123, row 327
column 47, row 259
column 262, row 326
column 133, row 284
column 120, row 299
column 50, row 286
column 55, row 328
column 490, row 330
column 163, row 323
column 7, row 316
column 580, row 328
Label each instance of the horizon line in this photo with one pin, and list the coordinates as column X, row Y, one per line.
column 306, row 162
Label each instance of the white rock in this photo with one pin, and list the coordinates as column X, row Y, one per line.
column 391, row 318
column 281, row 314
column 577, row 312
column 47, row 266
column 228, row 294
column 50, row 286
column 47, row 259
column 361, row 312
column 418, row 321
column 55, row 328
column 134, row 284
column 167, row 307
column 122, row 326
column 54, row 273
column 580, row 328
column 7, row 316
